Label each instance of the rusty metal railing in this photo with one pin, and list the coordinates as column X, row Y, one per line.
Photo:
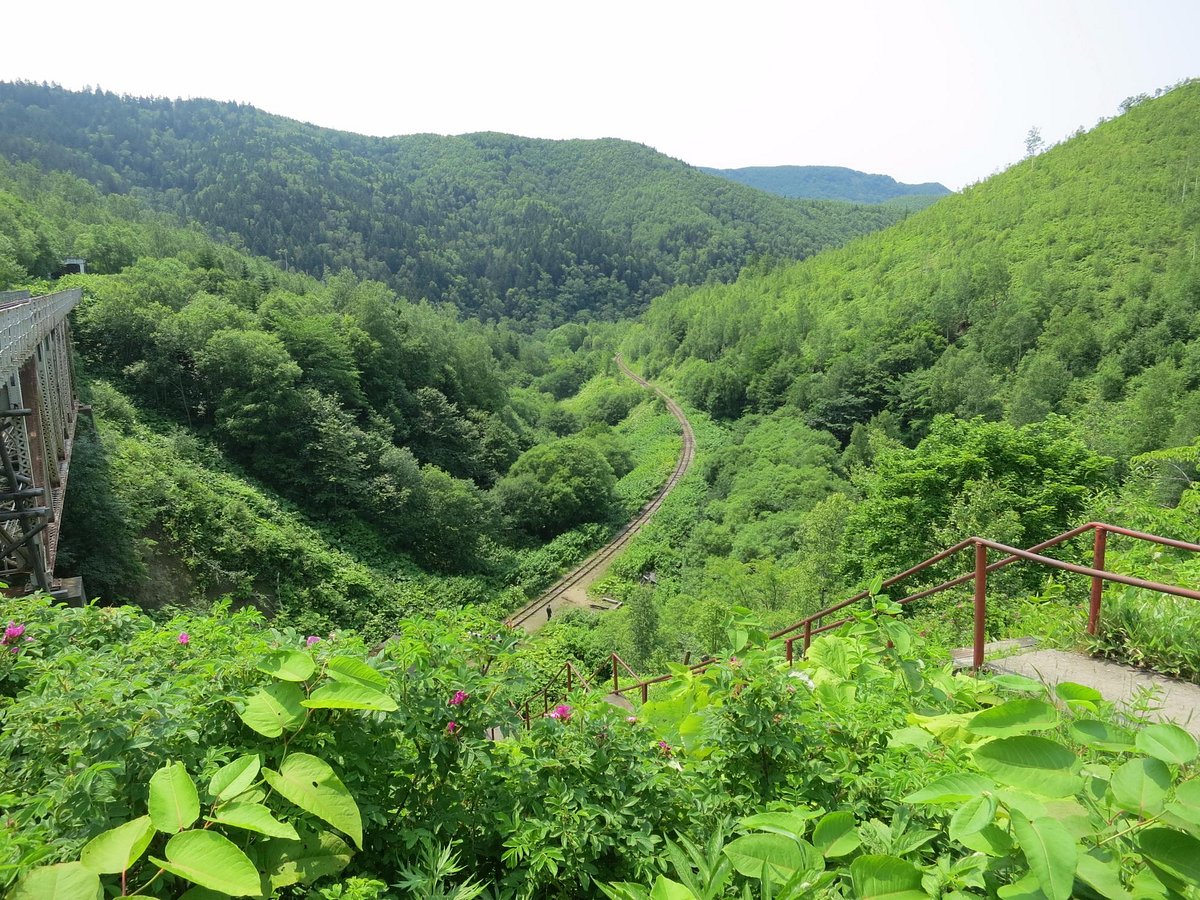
column 573, row 676
column 810, row 626
column 814, row 625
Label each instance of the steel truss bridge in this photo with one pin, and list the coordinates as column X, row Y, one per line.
column 38, row 411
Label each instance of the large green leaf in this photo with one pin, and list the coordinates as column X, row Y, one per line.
column 311, row 784
column 666, row 889
column 1051, row 852
column 1101, row 735
column 174, row 804
column 118, row 848
column 195, row 892
column 355, row 671
column 692, row 735
column 835, row 835
column 349, row 695
column 886, row 878
column 972, row 817
column 1032, row 763
column 772, row 856
column 1078, row 696
column 991, row 840
column 272, row 708
column 910, row 736
column 790, row 824
column 65, row 881
column 1102, row 873
column 235, row 777
column 1141, row 786
column 1018, row 683
column 288, row 665
column 1014, row 717
column 213, row 861
column 305, row 860
column 1167, row 742
column 1187, row 802
column 1174, row 852
column 254, row 817
column 951, row 789
column 1026, row 888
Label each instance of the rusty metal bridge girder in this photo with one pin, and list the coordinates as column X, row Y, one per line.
column 38, row 411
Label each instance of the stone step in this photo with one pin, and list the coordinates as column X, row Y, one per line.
column 963, row 657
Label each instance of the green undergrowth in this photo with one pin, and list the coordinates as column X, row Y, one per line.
column 652, row 435
column 159, row 515
column 1145, row 628
column 222, row 753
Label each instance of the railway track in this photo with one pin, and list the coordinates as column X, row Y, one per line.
column 533, row 615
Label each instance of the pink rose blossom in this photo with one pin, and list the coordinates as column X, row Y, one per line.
column 562, row 713
column 452, row 728
column 184, row 637
column 310, row 640
column 459, row 698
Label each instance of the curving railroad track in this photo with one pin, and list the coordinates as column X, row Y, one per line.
column 571, row 589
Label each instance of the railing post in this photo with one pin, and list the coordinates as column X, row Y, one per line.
column 788, row 646
column 1098, row 549
column 645, row 691
column 807, row 635
column 616, row 677
column 980, row 605
column 570, row 669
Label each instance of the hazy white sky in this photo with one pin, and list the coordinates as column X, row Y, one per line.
column 924, row 91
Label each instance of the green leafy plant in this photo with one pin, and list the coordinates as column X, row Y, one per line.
column 270, row 852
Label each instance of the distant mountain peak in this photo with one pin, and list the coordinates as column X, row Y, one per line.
column 827, row 183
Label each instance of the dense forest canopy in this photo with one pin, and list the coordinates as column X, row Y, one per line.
column 828, row 183
column 324, row 449
column 500, row 226
column 1008, row 362
column 325, row 491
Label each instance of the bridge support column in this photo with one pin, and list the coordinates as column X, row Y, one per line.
column 37, row 427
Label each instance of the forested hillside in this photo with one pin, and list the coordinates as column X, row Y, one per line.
column 323, row 492
column 829, row 183
column 500, row 226
column 325, row 450
column 1008, row 362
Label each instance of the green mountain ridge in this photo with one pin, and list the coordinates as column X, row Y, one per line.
column 828, row 183
column 1022, row 356
column 500, row 226
column 1013, row 360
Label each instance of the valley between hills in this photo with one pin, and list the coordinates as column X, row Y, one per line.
column 361, row 408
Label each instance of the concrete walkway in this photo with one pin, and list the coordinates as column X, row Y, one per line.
column 1176, row 701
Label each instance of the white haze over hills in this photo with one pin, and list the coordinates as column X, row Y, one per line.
column 935, row 90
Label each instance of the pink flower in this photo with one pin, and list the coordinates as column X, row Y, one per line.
column 12, row 634
column 452, row 728
column 310, row 640
column 632, row 720
column 184, row 637
column 665, row 748
column 459, row 698
column 562, row 712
